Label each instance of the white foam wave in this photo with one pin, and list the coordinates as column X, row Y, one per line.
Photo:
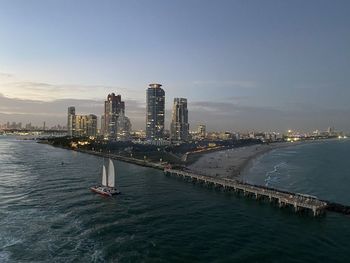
column 272, row 176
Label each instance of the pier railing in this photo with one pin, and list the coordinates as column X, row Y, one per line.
column 283, row 198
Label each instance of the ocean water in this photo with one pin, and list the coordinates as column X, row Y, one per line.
column 47, row 214
column 320, row 168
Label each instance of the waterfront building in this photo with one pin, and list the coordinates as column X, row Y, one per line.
column 91, row 125
column 155, row 111
column 102, row 129
column 179, row 127
column 123, row 128
column 85, row 125
column 201, row 131
column 71, row 121
column 330, row 130
column 81, row 125
column 114, row 107
column 226, row 135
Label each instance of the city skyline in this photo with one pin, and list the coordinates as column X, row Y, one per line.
column 242, row 66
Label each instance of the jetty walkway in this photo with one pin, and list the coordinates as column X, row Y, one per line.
column 145, row 163
column 283, row 198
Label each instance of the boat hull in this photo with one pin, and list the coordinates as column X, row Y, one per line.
column 105, row 191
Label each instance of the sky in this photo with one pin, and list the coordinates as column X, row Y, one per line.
column 243, row 65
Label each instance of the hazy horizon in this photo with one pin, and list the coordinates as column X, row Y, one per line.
column 242, row 65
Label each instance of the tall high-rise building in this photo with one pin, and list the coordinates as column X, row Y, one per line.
column 80, row 126
column 123, row 127
column 155, row 111
column 102, row 130
column 91, row 125
column 179, row 127
column 71, row 121
column 114, row 107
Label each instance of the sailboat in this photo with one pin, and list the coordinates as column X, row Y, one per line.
column 108, row 181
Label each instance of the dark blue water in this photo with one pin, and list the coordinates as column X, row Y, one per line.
column 319, row 168
column 47, row 214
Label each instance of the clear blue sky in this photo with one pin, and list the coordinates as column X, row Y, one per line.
column 241, row 64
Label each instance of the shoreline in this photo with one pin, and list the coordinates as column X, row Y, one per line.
column 234, row 166
column 234, row 163
column 143, row 163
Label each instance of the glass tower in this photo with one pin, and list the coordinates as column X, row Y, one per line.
column 155, row 104
column 114, row 107
column 179, row 128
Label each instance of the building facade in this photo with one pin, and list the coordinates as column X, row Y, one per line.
column 71, row 121
column 91, row 125
column 179, row 127
column 123, row 128
column 155, row 112
column 81, row 125
column 114, row 107
column 85, row 126
column 102, row 128
column 114, row 124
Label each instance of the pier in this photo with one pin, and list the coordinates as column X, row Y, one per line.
column 282, row 198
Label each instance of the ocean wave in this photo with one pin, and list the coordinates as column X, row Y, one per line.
column 4, row 256
column 272, row 176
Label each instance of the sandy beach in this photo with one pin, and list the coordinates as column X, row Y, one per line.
column 230, row 163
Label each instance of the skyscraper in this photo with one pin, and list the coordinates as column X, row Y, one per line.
column 80, row 126
column 179, row 127
column 71, row 121
column 114, row 107
column 155, row 103
column 102, row 130
column 91, row 125
column 123, row 127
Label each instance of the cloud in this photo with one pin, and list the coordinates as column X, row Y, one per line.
column 13, row 87
column 4, row 76
column 226, row 83
column 233, row 116
column 30, row 101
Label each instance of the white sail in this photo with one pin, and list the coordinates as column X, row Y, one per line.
column 111, row 174
column 104, row 176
